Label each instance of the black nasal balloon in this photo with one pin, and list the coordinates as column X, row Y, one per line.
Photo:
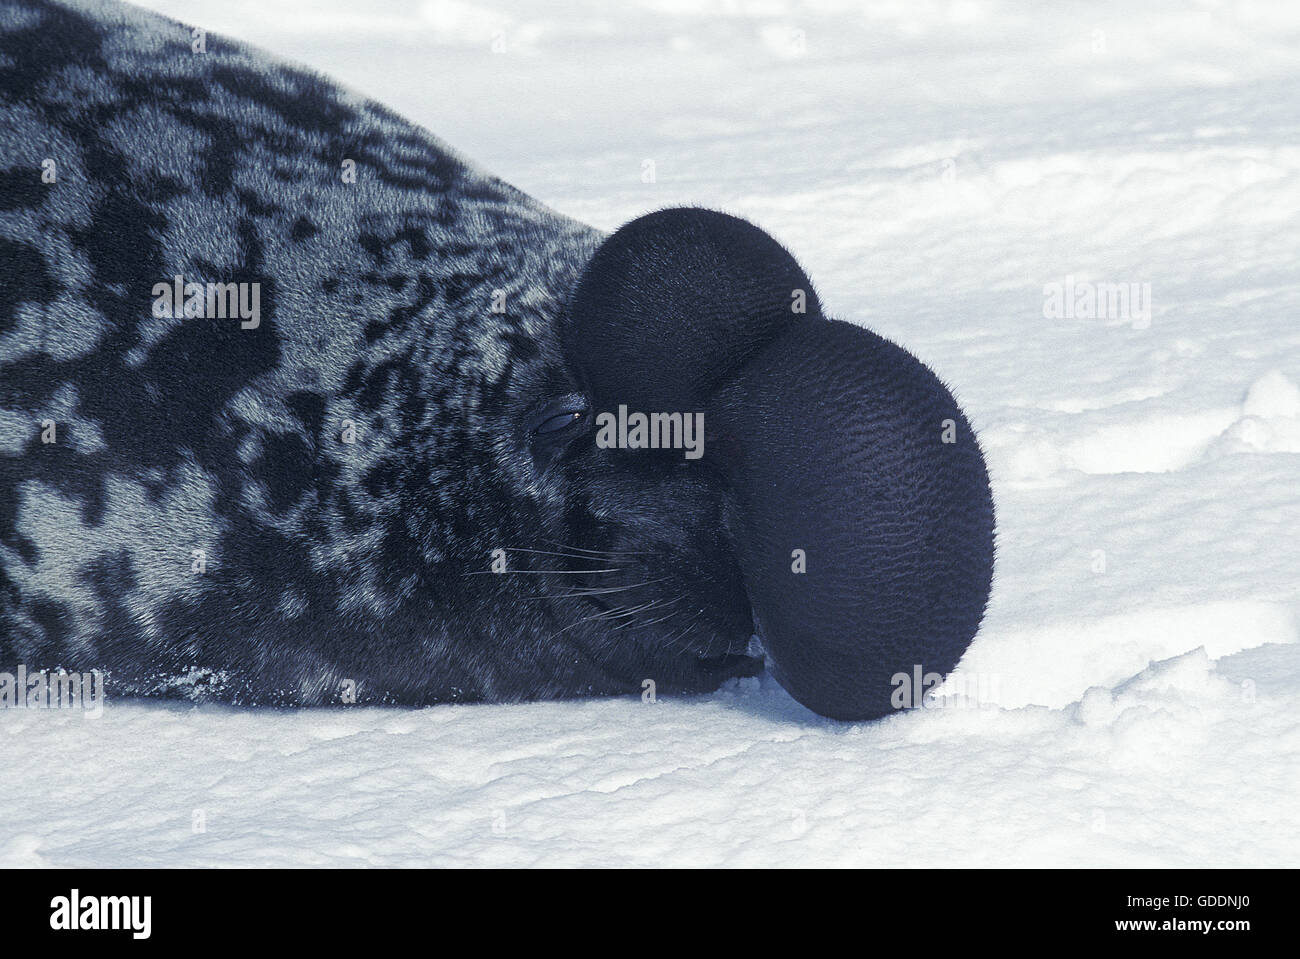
column 860, row 513
column 676, row 300
column 847, row 448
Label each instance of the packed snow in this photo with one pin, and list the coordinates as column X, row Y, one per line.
column 1085, row 218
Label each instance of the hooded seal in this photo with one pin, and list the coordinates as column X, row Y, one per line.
column 298, row 407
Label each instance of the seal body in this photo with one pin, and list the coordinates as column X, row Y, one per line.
column 287, row 408
column 262, row 514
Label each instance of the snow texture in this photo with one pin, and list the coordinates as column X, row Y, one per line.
column 958, row 176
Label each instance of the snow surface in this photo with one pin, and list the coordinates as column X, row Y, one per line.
column 936, row 166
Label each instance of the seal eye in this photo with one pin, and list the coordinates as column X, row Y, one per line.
column 560, row 421
column 553, row 419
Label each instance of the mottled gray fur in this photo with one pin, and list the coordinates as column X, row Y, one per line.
column 326, row 565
